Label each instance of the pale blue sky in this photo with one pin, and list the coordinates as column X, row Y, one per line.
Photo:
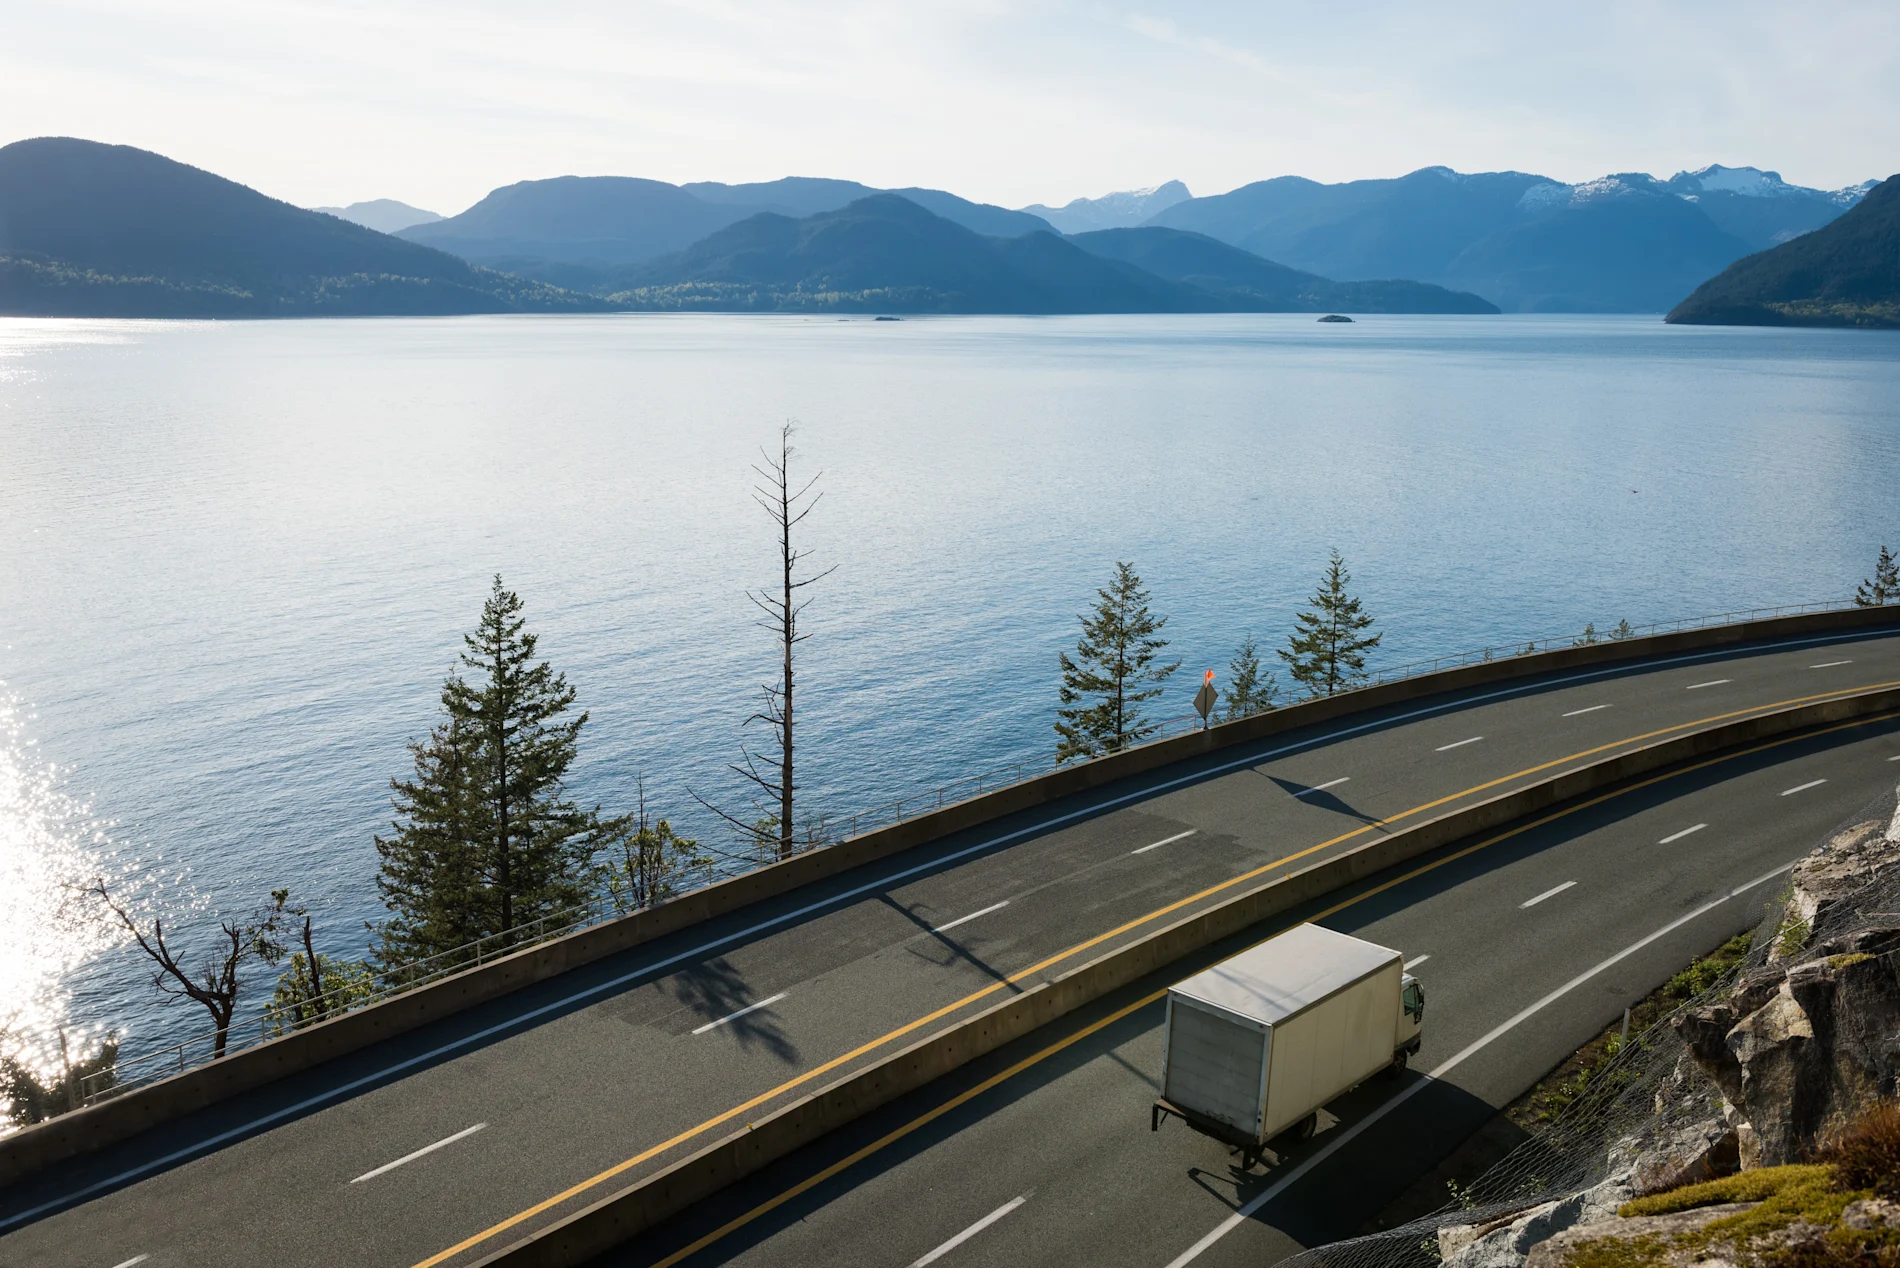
column 437, row 101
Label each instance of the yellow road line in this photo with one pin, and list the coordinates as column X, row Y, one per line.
column 827, row 1067
column 962, row 1098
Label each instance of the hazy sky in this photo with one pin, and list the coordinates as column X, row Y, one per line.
column 435, row 102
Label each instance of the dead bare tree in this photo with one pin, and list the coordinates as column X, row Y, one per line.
column 774, row 833
column 219, row 978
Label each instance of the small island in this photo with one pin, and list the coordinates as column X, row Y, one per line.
column 1335, row 317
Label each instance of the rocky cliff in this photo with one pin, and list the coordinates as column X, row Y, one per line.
column 1755, row 1151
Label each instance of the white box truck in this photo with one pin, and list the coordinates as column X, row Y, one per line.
column 1257, row 1044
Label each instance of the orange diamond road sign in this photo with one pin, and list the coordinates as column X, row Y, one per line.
column 1204, row 698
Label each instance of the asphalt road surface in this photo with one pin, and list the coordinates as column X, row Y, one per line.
column 444, row 1145
column 1529, row 943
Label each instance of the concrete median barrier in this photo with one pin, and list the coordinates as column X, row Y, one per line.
column 655, row 1198
column 122, row 1117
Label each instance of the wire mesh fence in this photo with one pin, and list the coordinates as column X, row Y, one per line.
column 1647, row 1093
column 259, row 1024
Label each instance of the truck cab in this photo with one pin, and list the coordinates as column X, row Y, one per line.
column 1411, row 1021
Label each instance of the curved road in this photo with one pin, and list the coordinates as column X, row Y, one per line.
column 448, row 1143
column 1529, row 942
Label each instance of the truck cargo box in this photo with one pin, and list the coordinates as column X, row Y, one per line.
column 1259, row 1042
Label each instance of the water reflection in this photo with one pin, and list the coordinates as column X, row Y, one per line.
column 48, row 838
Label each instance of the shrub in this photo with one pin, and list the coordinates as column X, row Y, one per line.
column 1865, row 1153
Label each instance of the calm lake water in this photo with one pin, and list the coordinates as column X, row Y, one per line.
column 238, row 557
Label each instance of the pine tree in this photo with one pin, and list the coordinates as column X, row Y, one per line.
column 486, row 839
column 1246, row 693
column 1114, row 667
column 1328, row 651
column 1884, row 587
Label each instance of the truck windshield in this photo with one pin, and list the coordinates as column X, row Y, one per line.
column 1414, row 1002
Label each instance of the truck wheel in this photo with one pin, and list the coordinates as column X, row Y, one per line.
column 1399, row 1059
column 1307, row 1127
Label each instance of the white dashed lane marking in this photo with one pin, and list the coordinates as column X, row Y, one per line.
column 972, row 916
column 1549, row 893
column 749, row 1008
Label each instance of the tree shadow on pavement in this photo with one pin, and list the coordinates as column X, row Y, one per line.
column 1321, row 798
column 715, row 989
column 955, row 950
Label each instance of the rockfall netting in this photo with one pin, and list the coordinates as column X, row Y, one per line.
column 1650, row 1098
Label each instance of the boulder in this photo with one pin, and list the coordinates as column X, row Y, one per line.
column 1851, row 860
column 1552, row 1252
column 1706, row 1149
column 1869, row 1213
column 1504, row 1242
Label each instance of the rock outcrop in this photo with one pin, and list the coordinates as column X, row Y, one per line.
column 1555, row 1252
column 1814, row 1032
column 1806, row 1040
column 1504, row 1242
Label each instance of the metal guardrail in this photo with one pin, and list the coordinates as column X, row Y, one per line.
column 269, row 1022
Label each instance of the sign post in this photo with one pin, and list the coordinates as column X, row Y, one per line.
column 1205, row 698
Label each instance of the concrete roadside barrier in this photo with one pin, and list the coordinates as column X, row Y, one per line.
column 124, row 1116
column 657, row 1197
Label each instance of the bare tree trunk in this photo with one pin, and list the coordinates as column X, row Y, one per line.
column 773, row 773
column 216, row 991
column 788, row 635
column 313, row 968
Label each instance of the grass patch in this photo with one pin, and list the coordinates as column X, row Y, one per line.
column 1746, row 1186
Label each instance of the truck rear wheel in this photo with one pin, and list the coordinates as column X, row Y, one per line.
column 1307, row 1127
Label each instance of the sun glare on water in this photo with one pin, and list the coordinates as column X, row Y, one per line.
column 48, row 838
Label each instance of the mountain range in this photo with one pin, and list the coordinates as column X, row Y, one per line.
column 384, row 215
column 617, row 220
column 1122, row 210
column 886, row 253
column 1622, row 243
column 1846, row 273
column 91, row 230
column 87, row 228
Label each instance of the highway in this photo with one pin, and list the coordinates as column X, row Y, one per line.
column 446, row 1144
column 1529, row 943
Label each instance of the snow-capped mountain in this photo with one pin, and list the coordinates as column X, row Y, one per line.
column 1758, row 206
column 1753, row 182
column 1120, row 210
column 1754, row 205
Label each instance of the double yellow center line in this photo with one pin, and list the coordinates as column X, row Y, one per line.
column 727, row 1116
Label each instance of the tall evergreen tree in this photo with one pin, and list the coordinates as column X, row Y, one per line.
column 1247, row 693
column 1113, row 672
column 1327, row 652
column 1884, row 586
column 486, row 838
